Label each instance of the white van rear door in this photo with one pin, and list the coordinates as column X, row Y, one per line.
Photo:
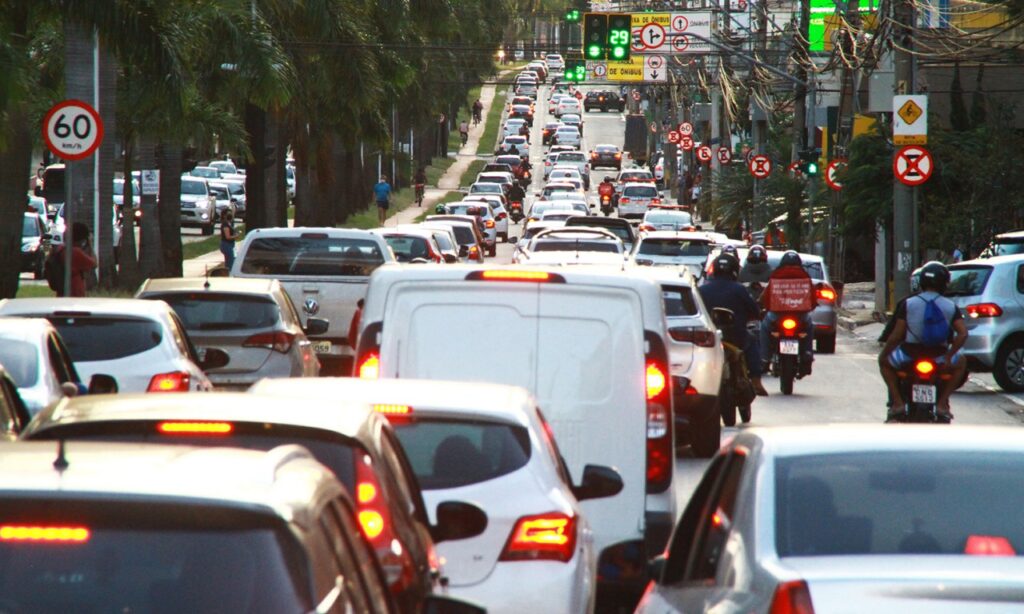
column 590, row 386
column 479, row 331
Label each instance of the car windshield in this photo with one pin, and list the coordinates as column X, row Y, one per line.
column 21, row 360
column 312, row 255
column 968, row 280
column 572, row 157
column 634, row 177
column 91, row 338
column 208, row 173
column 886, row 503
column 142, row 556
column 1007, row 248
column 606, row 149
column 201, row 311
column 640, row 191
column 674, row 248
column 407, row 248
column 489, row 188
column 29, row 226
column 194, row 188
column 450, row 454
column 578, row 245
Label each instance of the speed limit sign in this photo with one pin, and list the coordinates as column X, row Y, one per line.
column 72, row 130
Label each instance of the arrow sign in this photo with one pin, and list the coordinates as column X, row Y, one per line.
column 724, row 155
column 652, row 35
column 913, row 165
column 831, row 171
column 704, row 153
column 760, row 166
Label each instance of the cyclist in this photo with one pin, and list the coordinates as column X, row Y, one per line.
column 464, row 131
column 420, row 179
column 478, row 108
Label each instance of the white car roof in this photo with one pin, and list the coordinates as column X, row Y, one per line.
column 241, row 285
column 840, row 438
column 95, row 306
column 24, row 328
column 684, row 235
column 638, row 184
column 298, row 231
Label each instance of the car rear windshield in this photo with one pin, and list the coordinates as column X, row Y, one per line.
column 682, row 219
column 221, row 311
column 29, row 227
column 449, row 454
column 968, row 280
column 1008, row 247
column 606, row 149
column 572, row 157
column 679, row 301
column 406, row 248
column 91, row 338
column 635, row 177
column 903, row 502
column 192, row 187
column 576, row 246
column 21, row 361
column 315, row 256
column 640, row 191
column 674, row 247
column 150, row 557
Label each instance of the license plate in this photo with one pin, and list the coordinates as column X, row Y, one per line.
column 322, row 347
column 789, row 347
column 922, row 394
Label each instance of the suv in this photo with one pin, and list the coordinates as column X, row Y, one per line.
column 198, row 204
column 554, row 61
column 604, row 100
column 617, row 226
column 1005, row 244
column 184, row 530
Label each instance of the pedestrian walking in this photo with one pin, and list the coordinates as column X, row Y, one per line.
column 958, row 253
column 382, row 194
column 228, row 236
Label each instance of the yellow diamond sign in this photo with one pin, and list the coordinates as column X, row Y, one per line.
column 910, row 112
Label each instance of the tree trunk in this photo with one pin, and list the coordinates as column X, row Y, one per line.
column 255, row 192
column 307, row 196
column 106, row 156
column 150, row 249
column 81, row 205
column 15, row 163
column 128, row 259
column 169, row 161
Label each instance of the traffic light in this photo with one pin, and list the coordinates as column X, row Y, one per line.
column 572, row 15
column 619, row 36
column 595, row 35
column 809, row 161
column 575, row 71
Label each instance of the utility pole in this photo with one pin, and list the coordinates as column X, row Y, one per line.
column 800, row 89
column 902, row 195
column 759, row 115
column 844, row 135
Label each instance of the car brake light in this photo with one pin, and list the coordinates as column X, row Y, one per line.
column 984, row 310
column 617, row 156
column 369, row 366
column 37, row 533
column 655, row 201
column 279, row 341
column 924, row 367
column 389, row 409
column 696, row 336
column 550, row 537
column 826, row 294
column 655, row 380
column 988, row 545
column 792, row 598
column 175, row 381
column 660, row 453
column 788, row 324
column 194, row 428
column 623, row 199
column 374, row 517
column 496, row 275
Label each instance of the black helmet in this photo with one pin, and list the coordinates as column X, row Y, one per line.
column 757, row 254
column 934, row 277
column 608, row 179
column 791, row 258
column 725, row 266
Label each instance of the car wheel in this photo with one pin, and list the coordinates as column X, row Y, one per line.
column 826, row 344
column 707, row 439
column 208, row 229
column 1009, row 367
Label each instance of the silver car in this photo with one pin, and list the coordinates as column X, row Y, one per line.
column 851, row 518
column 252, row 320
column 990, row 293
column 198, row 204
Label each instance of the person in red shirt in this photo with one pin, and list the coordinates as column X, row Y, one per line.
column 82, row 259
column 792, row 270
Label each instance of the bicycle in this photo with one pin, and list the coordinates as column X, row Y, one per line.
column 476, row 117
column 465, row 137
column 419, row 194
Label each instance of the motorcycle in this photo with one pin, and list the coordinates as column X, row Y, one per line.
column 515, row 212
column 525, row 179
column 606, row 205
column 785, row 363
column 919, row 387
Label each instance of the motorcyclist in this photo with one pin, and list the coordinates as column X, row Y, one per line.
column 722, row 290
column 800, row 289
column 907, row 339
column 606, row 188
column 756, row 268
column 516, row 194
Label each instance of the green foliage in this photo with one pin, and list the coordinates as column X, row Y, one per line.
column 867, row 184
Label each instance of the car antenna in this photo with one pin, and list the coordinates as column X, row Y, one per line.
column 206, row 284
column 61, row 463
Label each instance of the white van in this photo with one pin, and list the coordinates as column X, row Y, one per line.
column 589, row 344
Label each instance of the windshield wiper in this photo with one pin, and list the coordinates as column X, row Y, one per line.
column 220, row 325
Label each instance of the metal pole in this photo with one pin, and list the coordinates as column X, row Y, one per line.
column 96, row 157
column 760, row 114
column 902, row 195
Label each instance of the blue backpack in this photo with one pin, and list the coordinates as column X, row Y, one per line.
column 936, row 327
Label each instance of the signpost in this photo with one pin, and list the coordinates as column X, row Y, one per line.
column 704, row 153
column 910, row 120
column 831, row 172
column 724, row 155
column 665, row 32
column 760, row 166
column 150, row 182
column 913, row 165
column 638, row 68
column 72, row 130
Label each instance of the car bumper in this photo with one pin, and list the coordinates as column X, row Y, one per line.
column 824, row 320
column 29, row 260
column 981, row 347
column 196, row 217
column 538, row 586
column 606, row 162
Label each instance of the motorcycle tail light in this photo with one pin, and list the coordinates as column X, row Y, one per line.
column 924, row 368
column 788, row 324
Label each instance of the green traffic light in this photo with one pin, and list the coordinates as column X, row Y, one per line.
column 618, row 53
column 594, row 51
column 812, row 168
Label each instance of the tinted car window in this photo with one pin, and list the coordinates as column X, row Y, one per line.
column 674, row 247
column 576, row 246
column 640, row 191
column 407, row 248
column 814, row 270
column 1007, row 247
column 29, row 227
column 448, row 454
column 898, row 503
column 151, row 558
column 216, row 311
column 678, row 301
column 682, row 219
column 968, row 280
column 21, row 360
column 309, row 255
column 193, row 187
column 106, row 338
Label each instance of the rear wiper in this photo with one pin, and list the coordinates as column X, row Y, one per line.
column 220, row 325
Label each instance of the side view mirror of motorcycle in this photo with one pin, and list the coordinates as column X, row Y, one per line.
column 512, row 240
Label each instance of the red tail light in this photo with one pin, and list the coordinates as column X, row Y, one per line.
column 655, row 380
column 488, row 223
column 660, row 453
column 623, row 199
column 374, row 516
column 474, row 252
column 175, row 381
column 789, row 324
column 369, row 366
column 645, row 227
column 40, row 533
column 924, row 368
column 792, row 598
column 987, row 545
column 194, row 428
column 655, row 201
column 548, row 537
column 984, row 310
column 279, row 341
column 696, row 336
column 826, row 294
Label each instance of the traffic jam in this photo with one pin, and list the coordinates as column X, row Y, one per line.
column 564, row 392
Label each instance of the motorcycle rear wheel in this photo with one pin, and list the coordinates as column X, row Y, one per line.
column 787, row 373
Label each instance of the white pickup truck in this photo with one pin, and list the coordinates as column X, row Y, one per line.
column 325, row 272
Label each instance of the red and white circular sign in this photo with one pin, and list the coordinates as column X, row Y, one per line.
column 831, row 171
column 760, row 166
column 686, row 142
column 913, row 165
column 704, row 153
column 724, row 155
column 794, row 169
column 674, row 136
column 686, row 128
column 680, row 42
column 72, row 130
column 680, row 23
column 654, row 62
column 652, row 35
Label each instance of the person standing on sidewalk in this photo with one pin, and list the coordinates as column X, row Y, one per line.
column 228, row 236
column 79, row 239
column 382, row 194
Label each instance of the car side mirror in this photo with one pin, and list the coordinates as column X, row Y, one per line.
column 458, row 520
column 214, row 358
column 316, row 326
column 102, row 384
column 513, row 240
column 443, row 604
column 451, row 258
column 598, row 482
column 656, row 568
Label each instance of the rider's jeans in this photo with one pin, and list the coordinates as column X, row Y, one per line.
column 768, row 324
